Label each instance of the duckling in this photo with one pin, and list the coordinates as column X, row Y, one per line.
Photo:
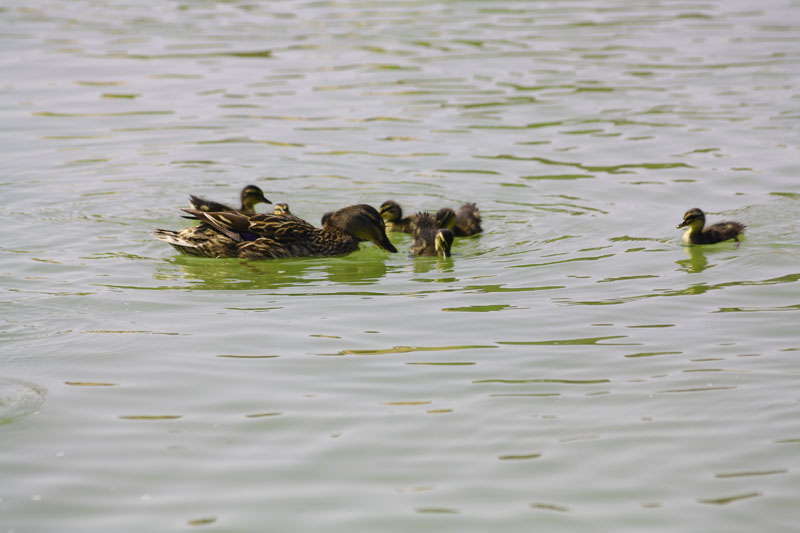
column 428, row 238
column 281, row 209
column 463, row 223
column 264, row 236
column 392, row 214
column 250, row 196
column 446, row 218
column 698, row 234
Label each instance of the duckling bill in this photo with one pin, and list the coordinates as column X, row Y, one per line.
column 429, row 239
column 270, row 236
column 698, row 233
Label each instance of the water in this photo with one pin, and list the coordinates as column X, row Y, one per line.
column 572, row 368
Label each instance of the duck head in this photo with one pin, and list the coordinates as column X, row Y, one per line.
column 362, row 222
column 391, row 211
column 446, row 218
column 693, row 218
column 252, row 195
column 281, row 209
column 443, row 242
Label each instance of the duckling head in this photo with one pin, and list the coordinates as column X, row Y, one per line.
column 282, row 209
column 391, row 211
column 252, row 195
column 443, row 242
column 694, row 218
column 362, row 222
column 446, row 218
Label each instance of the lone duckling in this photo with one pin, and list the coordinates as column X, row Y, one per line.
column 695, row 219
column 429, row 239
column 463, row 223
column 270, row 236
column 392, row 214
column 250, row 197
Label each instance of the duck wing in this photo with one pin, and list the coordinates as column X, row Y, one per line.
column 240, row 228
column 282, row 228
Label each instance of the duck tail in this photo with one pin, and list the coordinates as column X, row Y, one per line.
column 224, row 222
column 176, row 241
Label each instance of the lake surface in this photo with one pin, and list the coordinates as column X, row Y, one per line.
column 574, row 367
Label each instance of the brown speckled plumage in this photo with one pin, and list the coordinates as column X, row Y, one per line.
column 269, row 236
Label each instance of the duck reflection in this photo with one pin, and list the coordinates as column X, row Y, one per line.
column 360, row 268
column 354, row 271
column 423, row 265
column 697, row 261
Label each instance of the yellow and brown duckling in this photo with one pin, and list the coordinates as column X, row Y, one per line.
column 270, row 236
column 250, row 197
column 392, row 214
column 697, row 233
column 463, row 223
column 429, row 239
column 281, row 209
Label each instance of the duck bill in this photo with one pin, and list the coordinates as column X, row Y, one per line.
column 442, row 246
column 682, row 224
column 264, row 199
column 386, row 244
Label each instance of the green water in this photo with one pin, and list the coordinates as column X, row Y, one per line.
column 574, row 367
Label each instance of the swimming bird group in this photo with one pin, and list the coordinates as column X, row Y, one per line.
column 226, row 231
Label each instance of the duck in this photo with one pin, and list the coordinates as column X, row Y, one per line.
column 281, row 208
column 392, row 214
column 429, row 239
column 463, row 223
column 250, row 197
column 697, row 233
column 271, row 236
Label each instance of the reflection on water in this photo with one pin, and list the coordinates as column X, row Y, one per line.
column 697, row 262
column 423, row 265
column 365, row 267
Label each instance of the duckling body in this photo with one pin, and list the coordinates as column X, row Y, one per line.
column 392, row 214
column 697, row 233
column 270, row 236
column 250, row 197
column 463, row 223
column 429, row 239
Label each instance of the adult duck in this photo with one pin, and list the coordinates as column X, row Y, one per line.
column 270, row 236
